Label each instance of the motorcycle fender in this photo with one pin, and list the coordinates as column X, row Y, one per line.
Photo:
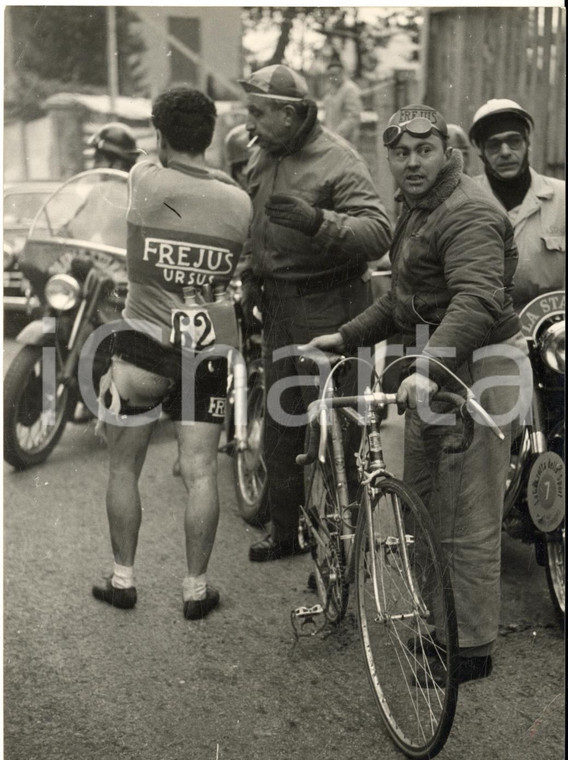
column 33, row 335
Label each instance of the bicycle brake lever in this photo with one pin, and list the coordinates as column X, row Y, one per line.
column 323, row 434
column 473, row 405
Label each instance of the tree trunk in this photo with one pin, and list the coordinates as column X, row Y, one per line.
column 288, row 16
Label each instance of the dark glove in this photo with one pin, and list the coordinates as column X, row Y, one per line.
column 251, row 296
column 289, row 211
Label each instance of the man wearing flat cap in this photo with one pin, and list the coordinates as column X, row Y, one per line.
column 317, row 221
column 453, row 259
column 342, row 103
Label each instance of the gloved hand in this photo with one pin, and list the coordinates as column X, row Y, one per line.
column 289, row 211
column 251, row 297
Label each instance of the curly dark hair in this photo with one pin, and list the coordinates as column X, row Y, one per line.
column 186, row 118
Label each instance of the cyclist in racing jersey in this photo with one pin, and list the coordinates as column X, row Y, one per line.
column 186, row 228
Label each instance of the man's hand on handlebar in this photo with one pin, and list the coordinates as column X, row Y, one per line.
column 332, row 343
column 415, row 389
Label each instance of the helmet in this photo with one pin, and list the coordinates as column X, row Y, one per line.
column 493, row 110
column 457, row 137
column 236, row 141
column 117, row 139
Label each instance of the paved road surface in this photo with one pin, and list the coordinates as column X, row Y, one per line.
column 84, row 681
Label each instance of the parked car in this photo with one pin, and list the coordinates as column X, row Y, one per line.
column 22, row 201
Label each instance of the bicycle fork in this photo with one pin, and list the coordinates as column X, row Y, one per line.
column 390, row 543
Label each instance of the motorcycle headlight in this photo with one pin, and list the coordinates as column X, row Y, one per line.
column 62, row 292
column 552, row 347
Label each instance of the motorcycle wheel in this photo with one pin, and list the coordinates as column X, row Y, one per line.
column 29, row 435
column 249, row 468
column 556, row 549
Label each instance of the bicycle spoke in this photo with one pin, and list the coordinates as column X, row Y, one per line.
column 405, row 608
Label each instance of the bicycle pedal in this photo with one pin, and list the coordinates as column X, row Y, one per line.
column 308, row 621
column 306, row 612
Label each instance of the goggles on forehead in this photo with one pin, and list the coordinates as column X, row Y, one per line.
column 418, row 127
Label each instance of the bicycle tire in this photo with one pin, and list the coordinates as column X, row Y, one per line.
column 400, row 649
column 556, row 545
column 328, row 553
column 248, row 465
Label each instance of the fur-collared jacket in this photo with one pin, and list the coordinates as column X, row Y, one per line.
column 453, row 258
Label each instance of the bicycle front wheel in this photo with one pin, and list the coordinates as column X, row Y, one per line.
column 407, row 619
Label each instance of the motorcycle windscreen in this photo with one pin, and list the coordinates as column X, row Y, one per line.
column 85, row 218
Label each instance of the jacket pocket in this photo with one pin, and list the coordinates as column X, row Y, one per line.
column 555, row 243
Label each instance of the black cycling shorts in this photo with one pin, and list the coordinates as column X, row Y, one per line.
column 208, row 377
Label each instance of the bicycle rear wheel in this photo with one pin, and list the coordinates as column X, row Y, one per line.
column 407, row 619
column 328, row 549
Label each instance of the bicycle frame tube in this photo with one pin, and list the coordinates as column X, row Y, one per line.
column 373, row 435
column 370, row 432
column 339, row 462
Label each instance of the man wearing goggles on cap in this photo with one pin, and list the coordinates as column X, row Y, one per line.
column 535, row 204
column 419, row 126
column 453, row 259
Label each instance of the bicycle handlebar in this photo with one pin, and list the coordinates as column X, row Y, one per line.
column 318, row 359
column 370, row 398
column 317, row 412
column 473, row 403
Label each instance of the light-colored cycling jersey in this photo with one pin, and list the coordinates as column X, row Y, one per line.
column 186, row 227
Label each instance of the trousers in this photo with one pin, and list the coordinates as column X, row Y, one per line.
column 292, row 317
column 464, row 492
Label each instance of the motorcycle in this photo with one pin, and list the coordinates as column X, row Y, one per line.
column 534, row 509
column 244, row 421
column 75, row 261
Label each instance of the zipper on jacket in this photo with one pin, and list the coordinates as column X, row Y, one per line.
column 265, row 230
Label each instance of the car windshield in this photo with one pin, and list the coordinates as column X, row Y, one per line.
column 20, row 208
column 91, row 208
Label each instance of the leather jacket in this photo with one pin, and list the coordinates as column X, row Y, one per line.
column 328, row 173
column 453, row 259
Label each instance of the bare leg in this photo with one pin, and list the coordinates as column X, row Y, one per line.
column 198, row 445
column 127, row 452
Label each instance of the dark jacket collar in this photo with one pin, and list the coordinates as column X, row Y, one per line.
column 447, row 181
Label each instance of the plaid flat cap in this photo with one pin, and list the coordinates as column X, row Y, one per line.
column 278, row 82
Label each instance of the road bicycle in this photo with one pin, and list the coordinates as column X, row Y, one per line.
column 373, row 531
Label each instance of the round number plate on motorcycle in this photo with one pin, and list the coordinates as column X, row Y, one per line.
column 545, row 492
